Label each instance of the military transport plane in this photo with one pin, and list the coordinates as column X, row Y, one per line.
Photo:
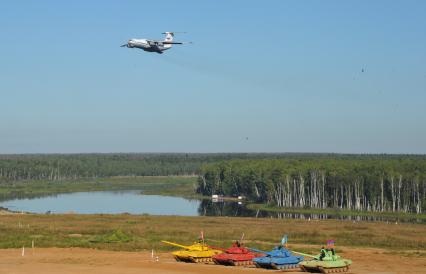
column 154, row 45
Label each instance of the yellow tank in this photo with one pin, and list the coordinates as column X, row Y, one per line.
column 195, row 253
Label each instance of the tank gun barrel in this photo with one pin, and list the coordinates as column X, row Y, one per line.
column 217, row 248
column 304, row 254
column 257, row 250
column 175, row 244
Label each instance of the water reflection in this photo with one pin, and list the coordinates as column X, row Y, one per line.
column 233, row 209
column 115, row 202
column 223, row 208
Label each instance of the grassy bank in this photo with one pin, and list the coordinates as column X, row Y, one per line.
column 161, row 185
column 338, row 212
column 139, row 232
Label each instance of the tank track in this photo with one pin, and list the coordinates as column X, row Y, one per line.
column 285, row 266
column 334, row 270
column 194, row 260
column 242, row 263
column 202, row 260
column 326, row 270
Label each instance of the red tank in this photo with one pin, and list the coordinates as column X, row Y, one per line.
column 236, row 255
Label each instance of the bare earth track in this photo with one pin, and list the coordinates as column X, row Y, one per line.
column 83, row 261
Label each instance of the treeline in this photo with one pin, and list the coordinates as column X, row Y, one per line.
column 355, row 182
column 76, row 166
column 56, row 167
column 367, row 183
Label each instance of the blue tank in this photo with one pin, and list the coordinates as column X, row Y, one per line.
column 278, row 258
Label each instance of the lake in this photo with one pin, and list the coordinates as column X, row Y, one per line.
column 134, row 202
column 107, row 202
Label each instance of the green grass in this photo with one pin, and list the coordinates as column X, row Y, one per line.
column 141, row 232
column 116, row 236
column 160, row 185
column 338, row 212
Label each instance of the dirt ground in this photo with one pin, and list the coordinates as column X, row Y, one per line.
column 82, row 261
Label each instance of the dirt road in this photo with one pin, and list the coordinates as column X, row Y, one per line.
column 84, row 261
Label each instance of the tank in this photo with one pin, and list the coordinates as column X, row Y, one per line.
column 278, row 258
column 236, row 255
column 326, row 262
column 199, row 252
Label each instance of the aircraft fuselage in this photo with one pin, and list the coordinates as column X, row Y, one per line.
column 145, row 45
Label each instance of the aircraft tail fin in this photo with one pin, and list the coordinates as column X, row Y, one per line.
column 169, row 36
column 168, row 40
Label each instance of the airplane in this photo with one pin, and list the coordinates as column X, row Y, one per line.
column 154, row 45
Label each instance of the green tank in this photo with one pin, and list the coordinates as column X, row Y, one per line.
column 326, row 262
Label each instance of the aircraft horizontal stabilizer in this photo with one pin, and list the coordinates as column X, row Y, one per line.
column 176, row 43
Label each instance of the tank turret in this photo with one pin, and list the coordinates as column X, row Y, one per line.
column 199, row 252
column 278, row 258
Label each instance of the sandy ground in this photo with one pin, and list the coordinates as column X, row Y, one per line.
column 82, row 261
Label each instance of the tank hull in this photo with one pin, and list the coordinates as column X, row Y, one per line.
column 278, row 258
column 195, row 256
column 234, row 259
column 277, row 263
column 236, row 256
column 340, row 265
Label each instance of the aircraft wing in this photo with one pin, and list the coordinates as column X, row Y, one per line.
column 171, row 43
column 154, row 42
column 159, row 43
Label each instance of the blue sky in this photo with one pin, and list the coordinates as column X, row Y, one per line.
column 260, row 76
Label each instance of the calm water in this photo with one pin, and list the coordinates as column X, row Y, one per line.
column 111, row 202
column 114, row 202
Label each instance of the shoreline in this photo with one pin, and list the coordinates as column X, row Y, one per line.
column 337, row 212
column 6, row 211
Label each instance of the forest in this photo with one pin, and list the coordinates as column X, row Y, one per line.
column 375, row 183
column 57, row 167
column 369, row 182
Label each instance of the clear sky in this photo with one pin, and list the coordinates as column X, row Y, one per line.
column 260, row 76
